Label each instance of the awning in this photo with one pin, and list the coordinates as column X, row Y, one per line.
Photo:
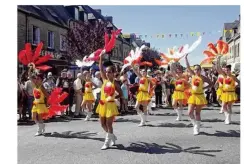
column 57, row 63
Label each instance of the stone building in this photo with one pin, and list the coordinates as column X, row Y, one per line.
column 47, row 24
column 231, row 35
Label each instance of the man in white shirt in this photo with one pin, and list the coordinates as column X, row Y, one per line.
column 29, row 90
column 78, row 94
column 49, row 84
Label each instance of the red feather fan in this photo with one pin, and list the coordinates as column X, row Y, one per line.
column 38, row 51
column 106, row 38
column 26, row 56
column 28, row 52
column 43, row 67
column 43, row 59
column 22, row 57
column 109, row 45
column 212, row 47
column 54, row 100
column 209, row 54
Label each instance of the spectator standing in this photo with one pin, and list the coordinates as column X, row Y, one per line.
column 30, row 98
column 78, row 94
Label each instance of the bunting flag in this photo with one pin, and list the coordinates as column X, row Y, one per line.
column 175, row 35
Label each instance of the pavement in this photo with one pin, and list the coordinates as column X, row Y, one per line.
column 162, row 141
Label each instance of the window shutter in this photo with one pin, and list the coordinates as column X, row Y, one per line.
column 38, row 35
column 60, row 42
column 53, row 40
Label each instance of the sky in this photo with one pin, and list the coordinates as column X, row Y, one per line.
column 153, row 20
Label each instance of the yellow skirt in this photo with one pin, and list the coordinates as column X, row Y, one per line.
column 197, row 99
column 143, row 96
column 107, row 110
column 88, row 97
column 228, row 97
column 219, row 91
column 40, row 109
column 178, row 95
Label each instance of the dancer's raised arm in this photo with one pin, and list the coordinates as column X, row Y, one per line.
column 219, row 69
column 188, row 65
column 103, row 75
column 136, row 71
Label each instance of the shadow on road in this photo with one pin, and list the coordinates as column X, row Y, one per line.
column 171, row 125
column 77, row 135
column 127, row 120
column 26, row 123
column 163, row 114
column 153, row 148
column 212, row 120
column 62, row 119
column 211, row 108
column 230, row 133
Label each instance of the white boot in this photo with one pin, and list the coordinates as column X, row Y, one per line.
column 227, row 118
column 193, row 121
column 221, row 110
column 197, row 128
column 107, row 141
column 43, row 128
column 88, row 116
column 179, row 113
column 143, row 118
column 39, row 130
column 113, row 139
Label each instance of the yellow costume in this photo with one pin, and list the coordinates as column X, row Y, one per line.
column 229, row 94
column 197, row 96
column 143, row 93
column 88, row 95
column 107, row 106
column 179, row 93
column 220, row 86
column 39, row 105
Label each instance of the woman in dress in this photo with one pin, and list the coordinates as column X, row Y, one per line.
column 180, row 85
column 197, row 99
column 39, row 109
column 88, row 97
column 107, row 108
column 219, row 91
column 229, row 95
column 143, row 97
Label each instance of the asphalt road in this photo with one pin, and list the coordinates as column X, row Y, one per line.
column 163, row 141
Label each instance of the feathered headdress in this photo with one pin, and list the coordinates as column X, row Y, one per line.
column 221, row 48
column 32, row 59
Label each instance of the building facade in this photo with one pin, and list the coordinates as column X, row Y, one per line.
column 44, row 24
column 231, row 35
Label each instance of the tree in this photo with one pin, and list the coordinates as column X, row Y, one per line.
column 83, row 38
column 150, row 55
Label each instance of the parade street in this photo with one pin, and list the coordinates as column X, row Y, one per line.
column 162, row 141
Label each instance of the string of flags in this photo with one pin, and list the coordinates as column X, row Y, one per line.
column 173, row 35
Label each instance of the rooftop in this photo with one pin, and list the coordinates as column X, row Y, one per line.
column 56, row 14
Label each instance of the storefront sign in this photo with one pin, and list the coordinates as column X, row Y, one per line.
column 55, row 55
